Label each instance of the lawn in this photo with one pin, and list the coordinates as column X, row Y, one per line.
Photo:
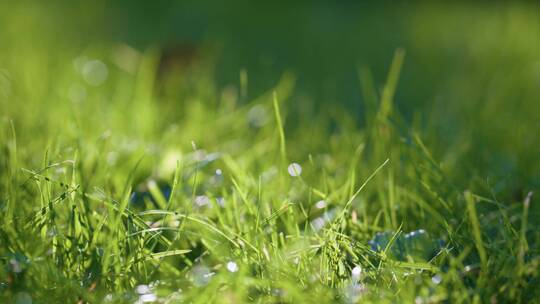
column 281, row 153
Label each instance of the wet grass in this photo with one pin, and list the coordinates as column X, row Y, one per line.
column 121, row 183
column 119, row 194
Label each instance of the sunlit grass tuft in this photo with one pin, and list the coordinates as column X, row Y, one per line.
column 126, row 194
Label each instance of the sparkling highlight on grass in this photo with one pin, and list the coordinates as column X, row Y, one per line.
column 294, row 169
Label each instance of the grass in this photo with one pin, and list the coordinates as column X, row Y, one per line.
column 119, row 185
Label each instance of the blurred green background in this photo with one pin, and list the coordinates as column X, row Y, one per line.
column 470, row 80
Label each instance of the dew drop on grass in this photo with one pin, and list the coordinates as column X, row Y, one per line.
column 95, row 72
column 145, row 298
column 278, row 292
column 294, row 169
column 356, row 272
column 257, row 116
column 202, row 200
column 232, row 266
column 468, row 268
column 318, row 223
column 415, row 244
column 436, row 279
column 220, row 201
column 142, row 289
column 320, row 204
column 219, row 172
column 200, row 275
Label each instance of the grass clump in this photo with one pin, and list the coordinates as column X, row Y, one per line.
column 118, row 186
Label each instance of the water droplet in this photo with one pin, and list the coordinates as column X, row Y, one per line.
column 356, row 272
column 415, row 244
column 278, row 292
column 317, row 223
column 220, row 201
column 468, row 268
column 200, row 275
column 294, row 169
column 142, row 289
column 320, row 204
column 257, row 116
column 232, row 266
column 415, row 233
column 202, row 200
column 148, row 298
column 95, row 72
column 436, row 279
column 219, row 172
